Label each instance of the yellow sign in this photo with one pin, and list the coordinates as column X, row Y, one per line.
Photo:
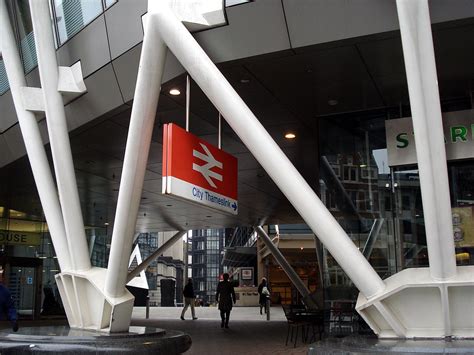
column 19, row 238
column 463, row 225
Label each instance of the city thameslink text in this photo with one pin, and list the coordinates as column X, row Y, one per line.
column 200, row 195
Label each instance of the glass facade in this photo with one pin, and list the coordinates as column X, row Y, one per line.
column 207, row 247
column 99, row 246
column 21, row 9
column 379, row 206
column 28, row 262
column 70, row 16
column 27, row 259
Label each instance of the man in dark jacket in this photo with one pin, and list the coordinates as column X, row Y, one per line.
column 225, row 295
column 7, row 306
column 188, row 294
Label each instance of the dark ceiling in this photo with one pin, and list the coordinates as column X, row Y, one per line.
column 290, row 90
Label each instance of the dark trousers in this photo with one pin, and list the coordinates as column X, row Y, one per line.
column 225, row 316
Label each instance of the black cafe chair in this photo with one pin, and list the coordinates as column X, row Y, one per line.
column 295, row 321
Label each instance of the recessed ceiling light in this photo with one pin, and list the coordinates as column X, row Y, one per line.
column 106, row 223
column 290, row 135
column 245, row 81
column 333, row 102
column 175, row 92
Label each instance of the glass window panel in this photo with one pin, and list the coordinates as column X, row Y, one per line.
column 109, row 3
column 25, row 30
column 461, row 175
column 73, row 15
column 235, row 2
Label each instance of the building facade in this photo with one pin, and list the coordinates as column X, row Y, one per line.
column 326, row 82
column 205, row 262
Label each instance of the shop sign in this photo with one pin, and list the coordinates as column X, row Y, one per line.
column 197, row 171
column 458, row 137
column 19, row 238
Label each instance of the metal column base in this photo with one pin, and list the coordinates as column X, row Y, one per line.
column 87, row 306
column 415, row 305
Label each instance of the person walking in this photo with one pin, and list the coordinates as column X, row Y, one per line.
column 264, row 293
column 7, row 307
column 189, row 296
column 225, row 296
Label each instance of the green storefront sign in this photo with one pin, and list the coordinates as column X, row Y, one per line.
column 458, row 138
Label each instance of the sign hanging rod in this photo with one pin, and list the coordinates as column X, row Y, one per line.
column 219, row 134
column 188, row 94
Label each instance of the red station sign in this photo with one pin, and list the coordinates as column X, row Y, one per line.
column 198, row 171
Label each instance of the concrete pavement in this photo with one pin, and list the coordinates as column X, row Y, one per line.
column 248, row 333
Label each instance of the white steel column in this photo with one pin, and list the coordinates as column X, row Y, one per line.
column 266, row 151
column 58, row 135
column 147, row 92
column 415, row 27
column 33, row 142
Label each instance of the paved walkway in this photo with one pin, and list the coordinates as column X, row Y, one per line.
column 248, row 333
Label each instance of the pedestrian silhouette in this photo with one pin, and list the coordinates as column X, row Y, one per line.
column 225, row 295
column 189, row 296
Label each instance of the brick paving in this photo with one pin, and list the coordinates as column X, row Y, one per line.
column 248, row 333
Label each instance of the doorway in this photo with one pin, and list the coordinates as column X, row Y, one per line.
column 23, row 277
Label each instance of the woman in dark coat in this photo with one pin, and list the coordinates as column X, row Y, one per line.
column 264, row 293
column 225, row 295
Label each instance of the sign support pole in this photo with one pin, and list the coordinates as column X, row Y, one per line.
column 219, row 137
column 188, row 99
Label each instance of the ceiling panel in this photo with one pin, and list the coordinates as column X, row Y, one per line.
column 287, row 91
column 305, row 82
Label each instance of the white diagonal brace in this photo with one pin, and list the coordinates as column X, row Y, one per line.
column 33, row 142
column 280, row 259
column 418, row 52
column 58, row 135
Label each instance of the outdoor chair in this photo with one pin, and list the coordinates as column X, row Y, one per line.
column 343, row 317
column 295, row 320
column 315, row 319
